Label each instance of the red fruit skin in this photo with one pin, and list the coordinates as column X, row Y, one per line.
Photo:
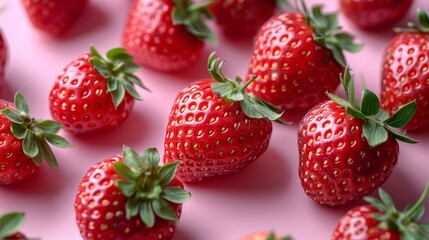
column 81, row 102
column 358, row 224
column 154, row 41
column 405, row 76
column 210, row 136
column 369, row 14
column 242, row 18
column 293, row 71
column 3, row 59
column 15, row 166
column 100, row 208
column 16, row 236
column 336, row 163
column 53, row 16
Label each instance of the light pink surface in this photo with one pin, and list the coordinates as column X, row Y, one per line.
column 267, row 195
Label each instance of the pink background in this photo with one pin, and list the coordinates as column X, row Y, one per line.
column 267, row 195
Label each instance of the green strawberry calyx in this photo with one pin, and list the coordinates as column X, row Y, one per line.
column 377, row 122
column 233, row 91
column 36, row 133
column 421, row 27
column 189, row 14
column 328, row 33
column 405, row 222
column 146, row 185
column 272, row 236
column 118, row 69
column 10, row 223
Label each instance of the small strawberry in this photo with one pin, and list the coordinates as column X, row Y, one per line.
column 297, row 58
column 264, row 235
column 93, row 93
column 369, row 14
column 166, row 35
column 130, row 197
column 346, row 149
column 3, row 58
column 10, row 223
column 382, row 220
column 53, row 16
column 405, row 72
column 24, row 141
column 215, row 128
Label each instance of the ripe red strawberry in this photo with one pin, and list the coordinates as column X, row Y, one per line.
column 369, row 14
column 264, row 235
column 242, row 18
column 24, row 141
column 53, row 16
column 297, row 58
column 93, row 93
column 165, row 35
column 3, row 58
column 130, row 197
column 215, row 128
column 10, row 224
column 381, row 220
column 405, row 72
column 346, row 149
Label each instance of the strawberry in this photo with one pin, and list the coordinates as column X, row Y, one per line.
column 297, row 58
column 382, row 220
column 346, row 149
column 264, row 235
column 10, row 224
column 166, row 35
column 405, row 72
column 3, row 58
column 369, row 14
column 215, row 128
column 53, row 16
column 93, row 93
column 242, row 18
column 24, row 141
column 130, row 197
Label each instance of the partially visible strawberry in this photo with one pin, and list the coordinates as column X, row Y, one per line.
column 130, row 197
column 3, row 58
column 381, row 220
column 10, row 223
column 264, row 235
column 93, row 93
column 24, row 141
column 405, row 72
column 215, row 128
column 166, row 35
column 370, row 14
column 347, row 149
column 297, row 58
column 53, row 16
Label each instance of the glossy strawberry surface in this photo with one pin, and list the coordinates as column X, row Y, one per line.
column 405, row 76
column 369, row 14
column 211, row 136
column 336, row 163
column 293, row 71
column 80, row 100
column 154, row 41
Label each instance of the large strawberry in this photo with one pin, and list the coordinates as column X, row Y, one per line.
column 10, row 224
column 166, row 35
column 24, row 141
column 93, row 93
column 347, row 149
column 130, row 197
column 405, row 72
column 369, row 14
column 3, row 58
column 53, row 16
column 215, row 128
column 382, row 220
column 298, row 57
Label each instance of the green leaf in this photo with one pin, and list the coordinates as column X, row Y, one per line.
column 132, row 91
column 94, row 52
column 254, row 109
column 13, row 115
column 127, row 188
column 29, row 145
column 118, row 95
column 151, row 158
column 338, row 100
column 49, row 126
column 132, row 159
column 21, row 104
column 382, row 115
column 375, row 134
column 132, row 207
column 146, row 214
column 56, row 140
column 10, row 223
column 423, row 18
column 227, row 91
column 387, row 200
column 133, row 79
column 113, row 53
column 376, row 203
column 48, row 155
column 112, row 84
column 400, row 136
column 164, row 210
column 424, row 226
column 125, row 172
column 18, row 130
column 167, row 172
column 355, row 113
column 402, row 116
column 370, row 105
column 176, row 194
